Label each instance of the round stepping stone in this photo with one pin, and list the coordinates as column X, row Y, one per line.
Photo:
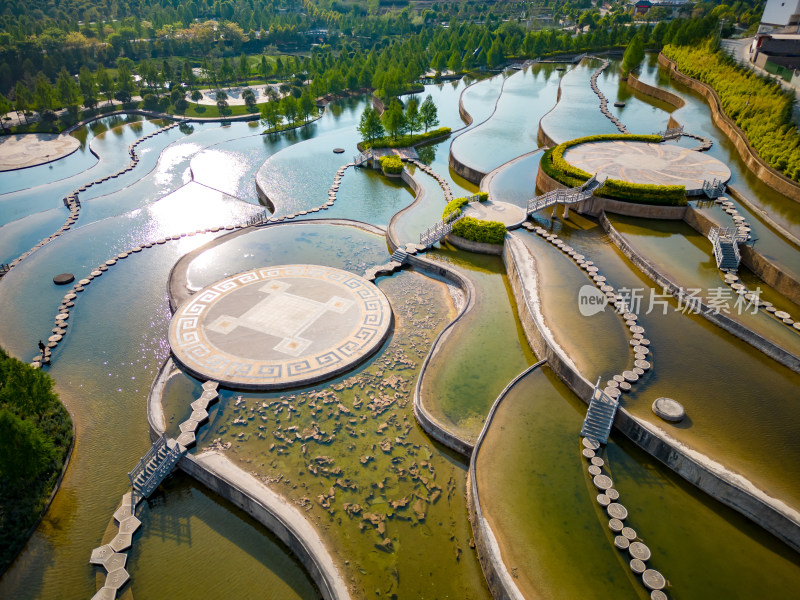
column 110, row 262
column 592, row 470
column 612, row 392
column 638, row 371
column 621, row 542
column 54, row 338
column 619, row 378
column 588, row 453
column 796, row 325
column 612, row 493
column 602, row 482
column 629, row 533
column 639, row 356
column 770, row 309
column 782, row 314
column 62, row 316
column 630, row 323
column 63, row 278
column 615, row 525
column 102, row 268
column 589, row 443
column 85, row 282
column 603, row 500
column 658, row 595
column 616, row 510
column 637, row 566
column 640, row 551
column 630, row 376
column 625, row 386
column 636, row 329
column 612, row 383
column 96, row 273
column 653, row 580
column 52, row 344
column 597, row 461
column 629, row 317
column 669, row 409
column 639, row 349
column 644, row 342
column 642, row 364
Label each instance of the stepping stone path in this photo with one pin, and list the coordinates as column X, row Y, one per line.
column 73, row 203
column 603, row 100
column 625, row 537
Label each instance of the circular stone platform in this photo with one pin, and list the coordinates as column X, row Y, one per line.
column 509, row 215
column 30, row 149
column 278, row 327
column 642, row 162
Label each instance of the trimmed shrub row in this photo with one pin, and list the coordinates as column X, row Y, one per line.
column 391, row 164
column 554, row 165
column 456, row 203
column 475, row 230
column 404, row 141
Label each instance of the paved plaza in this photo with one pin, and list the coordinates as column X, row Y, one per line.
column 641, row 162
column 282, row 326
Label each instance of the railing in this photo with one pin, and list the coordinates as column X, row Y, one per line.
column 671, row 133
column 730, row 237
column 151, row 453
column 714, row 189
column 436, row 232
column 4, row 268
column 562, row 196
column 163, row 469
column 361, row 158
column 256, row 220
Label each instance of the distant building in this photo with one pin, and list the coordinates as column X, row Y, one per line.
column 641, row 7
column 780, row 14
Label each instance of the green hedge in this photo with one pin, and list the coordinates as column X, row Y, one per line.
column 554, row 165
column 404, row 141
column 391, row 164
column 456, row 203
column 475, row 230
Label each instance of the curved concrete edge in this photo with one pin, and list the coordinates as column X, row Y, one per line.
column 499, row 579
column 754, row 162
column 486, row 182
column 177, row 285
column 223, row 477
column 419, row 193
column 542, row 137
column 713, row 478
column 477, row 247
column 770, row 272
column 764, row 216
column 430, row 425
column 459, row 168
column 655, row 92
column 267, row 507
column 769, row 348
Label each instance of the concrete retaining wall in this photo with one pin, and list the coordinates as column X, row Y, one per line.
column 500, row 581
column 764, row 216
column 769, row 348
column 770, row 273
column 755, row 163
column 713, row 478
column 658, row 93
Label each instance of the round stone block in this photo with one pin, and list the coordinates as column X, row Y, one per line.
column 615, row 525
column 637, row 566
column 630, row 376
column 621, row 542
column 602, row 482
column 587, row 453
column 603, row 500
column 598, row 462
column 653, row 580
column 640, row 551
column 593, row 470
column 669, row 409
column 63, row 278
column 612, row 493
column 625, row 386
column 589, row 443
column 629, row 533
column 658, row 595
column 617, row 511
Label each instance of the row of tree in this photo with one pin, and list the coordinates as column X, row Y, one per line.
column 397, row 121
column 290, row 108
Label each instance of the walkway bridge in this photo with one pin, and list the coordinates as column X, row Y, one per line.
column 600, row 416
column 154, row 466
column 671, row 133
column 438, row 231
column 362, row 157
column 571, row 196
column 714, row 189
column 726, row 242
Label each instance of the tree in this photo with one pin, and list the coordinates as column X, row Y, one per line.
column 289, row 108
column 370, row 126
column 307, row 104
column 264, row 68
column 494, row 57
column 197, row 95
column 5, row 105
column 634, row 54
column 244, row 70
column 87, row 86
column 394, row 120
column 412, row 115
column 428, row 113
column 104, row 83
column 42, row 93
column 249, row 98
column 123, row 96
column 25, row 452
column 271, row 114
column 124, row 78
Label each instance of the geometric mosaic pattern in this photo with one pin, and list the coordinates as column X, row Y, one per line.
column 311, row 322
column 642, row 162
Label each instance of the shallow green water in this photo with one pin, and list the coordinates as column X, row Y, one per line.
column 481, row 353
